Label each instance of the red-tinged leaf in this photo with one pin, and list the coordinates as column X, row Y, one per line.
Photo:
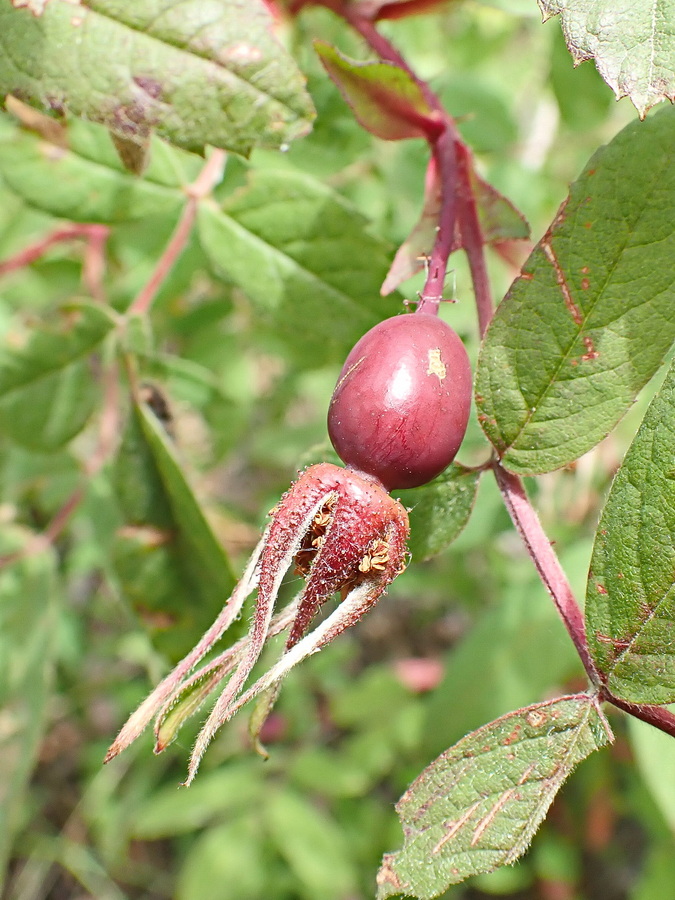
column 499, row 219
column 385, row 99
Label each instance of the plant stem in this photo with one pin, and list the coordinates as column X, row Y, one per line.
column 473, row 239
column 208, row 178
column 546, row 562
column 94, row 234
column 444, row 152
column 658, row 716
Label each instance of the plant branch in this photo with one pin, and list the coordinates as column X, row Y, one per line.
column 472, row 235
column 208, row 178
column 546, row 562
column 95, row 235
column 444, row 151
column 658, row 716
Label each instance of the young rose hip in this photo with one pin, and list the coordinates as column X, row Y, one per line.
column 401, row 405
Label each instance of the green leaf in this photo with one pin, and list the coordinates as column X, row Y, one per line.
column 633, row 45
column 47, row 390
column 227, row 861
column 167, row 556
column 479, row 804
column 385, row 99
column 313, row 846
column 85, row 182
column 440, row 510
column 26, row 360
column 303, row 257
column 195, row 73
column 170, row 811
column 52, row 411
column 590, row 320
column 28, row 630
column 630, row 600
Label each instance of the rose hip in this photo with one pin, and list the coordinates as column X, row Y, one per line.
column 401, row 405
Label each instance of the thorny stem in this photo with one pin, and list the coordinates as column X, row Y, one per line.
column 208, row 178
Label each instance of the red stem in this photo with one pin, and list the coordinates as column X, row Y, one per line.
column 94, row 234
column 444, row 150
column 547, row 564
column 473, row 239
column 208, row 178
column 658, row 716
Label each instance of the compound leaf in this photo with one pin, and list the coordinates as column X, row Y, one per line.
column 302, row 255
column 589, row 320
column 478, row 805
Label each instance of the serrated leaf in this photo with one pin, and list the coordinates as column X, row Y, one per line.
column 440, row 510
column 479, row 804
column 83, row 182
column 385, row 99
column 630, row 601
column 498, row 217
column 170, row 562
column 302, row 255
column 28, row 630
column 590, row 320
column 195, row 73
column 633, row 44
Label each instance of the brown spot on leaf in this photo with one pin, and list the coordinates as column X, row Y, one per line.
column 36, row 7
column 585, row 270
column 513, row 736
column 550, row 254
column 151, row 86
column 527, row 276
column 585, row 284
column 591, row 352
column 601, row 589
column 536, row 718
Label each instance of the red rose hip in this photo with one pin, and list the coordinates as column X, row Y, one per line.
column 401, row 405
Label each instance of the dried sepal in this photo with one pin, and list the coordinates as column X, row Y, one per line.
column 344, row 534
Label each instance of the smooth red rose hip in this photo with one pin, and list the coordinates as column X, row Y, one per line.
column 401, row 405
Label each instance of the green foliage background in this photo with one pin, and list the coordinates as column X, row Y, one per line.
column 88, row 624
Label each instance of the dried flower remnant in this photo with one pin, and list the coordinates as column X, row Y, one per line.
column 343, row 533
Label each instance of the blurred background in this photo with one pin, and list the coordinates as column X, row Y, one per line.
column 91, row 620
